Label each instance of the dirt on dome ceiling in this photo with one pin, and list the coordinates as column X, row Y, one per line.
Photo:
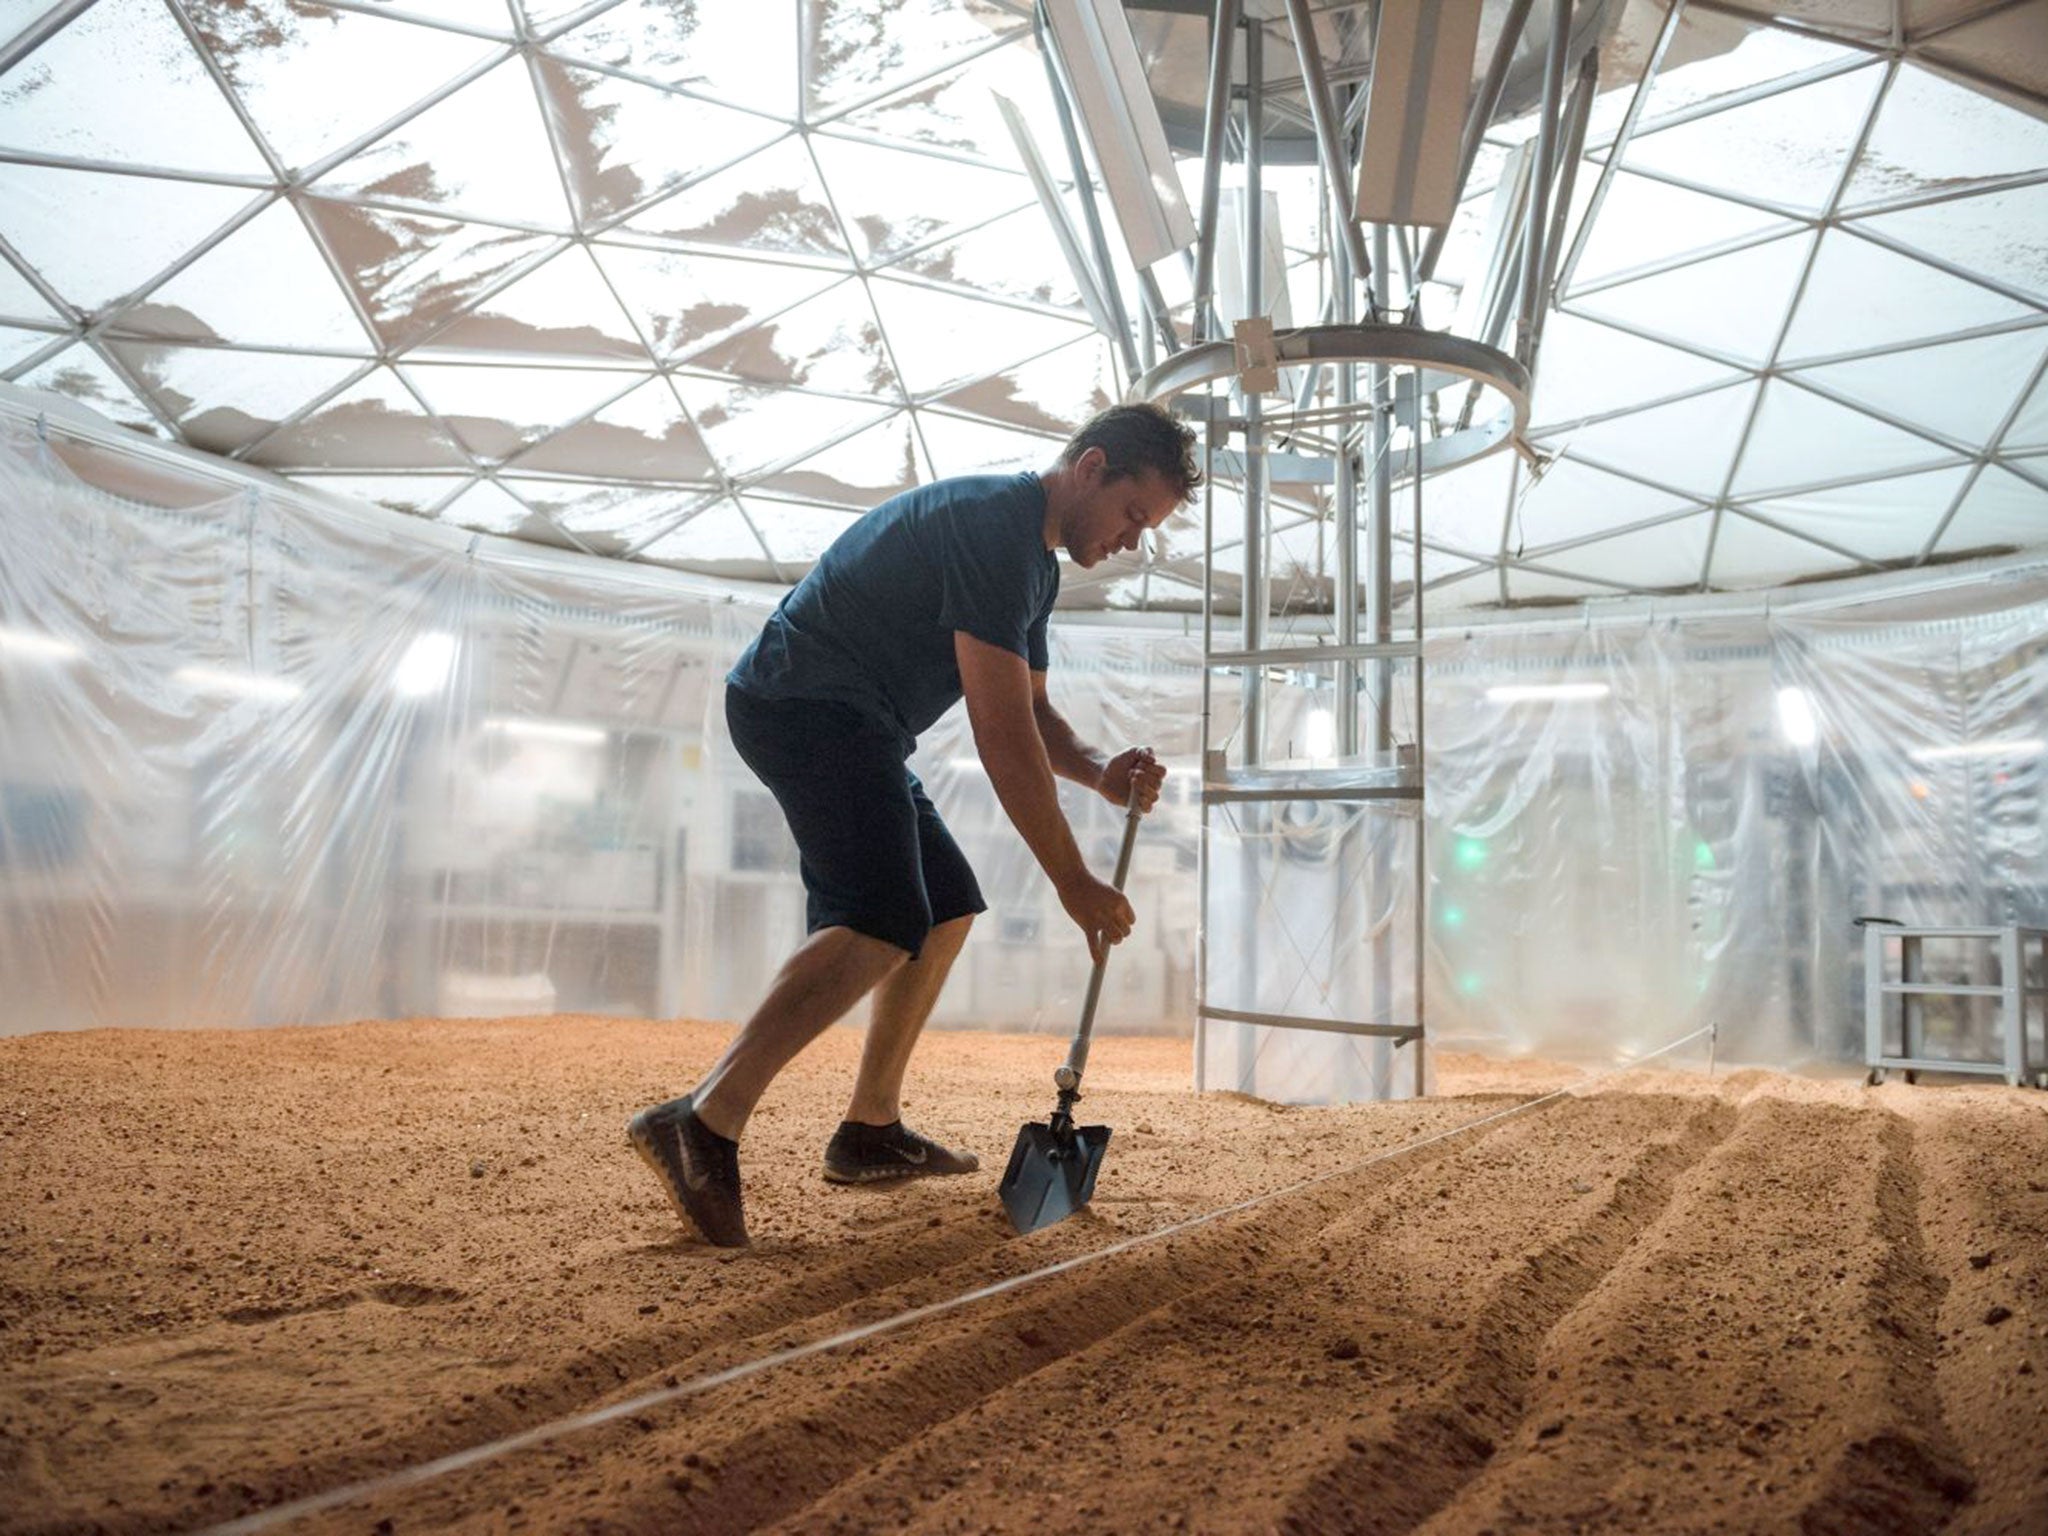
column 240, row 1268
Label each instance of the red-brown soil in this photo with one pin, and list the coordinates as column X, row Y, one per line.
column 238, row 1268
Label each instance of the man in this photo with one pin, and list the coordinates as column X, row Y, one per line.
column 940, row 593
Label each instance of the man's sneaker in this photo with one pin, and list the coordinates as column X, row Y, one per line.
column 869, row 1154
column 698, row 1168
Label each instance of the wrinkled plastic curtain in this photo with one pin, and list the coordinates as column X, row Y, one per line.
column 263, row 762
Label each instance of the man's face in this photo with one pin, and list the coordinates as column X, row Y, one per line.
column 1114, row 515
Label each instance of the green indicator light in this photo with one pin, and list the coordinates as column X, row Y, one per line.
column 1702, row 855
column 1470, row 853
column 1454, row 917
column 1469, row 983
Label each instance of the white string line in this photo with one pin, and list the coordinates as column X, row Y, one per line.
column 426, row 1471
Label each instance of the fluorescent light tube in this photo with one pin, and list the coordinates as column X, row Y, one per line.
column 548, row 730
column 1795, row 717
column 426, row 665
column 247, row 685
column 2028, row 747
column 34, row 645
column 1530, row 693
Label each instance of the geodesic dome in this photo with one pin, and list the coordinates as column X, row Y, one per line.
column 693, row 283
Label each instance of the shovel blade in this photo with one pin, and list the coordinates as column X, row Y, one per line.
column 1051, row 1174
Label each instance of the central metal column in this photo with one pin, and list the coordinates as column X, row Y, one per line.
column 1379, row 613
column 1252, row 604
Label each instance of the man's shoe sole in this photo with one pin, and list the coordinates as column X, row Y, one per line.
column 652, row 1158
column 894, row 1175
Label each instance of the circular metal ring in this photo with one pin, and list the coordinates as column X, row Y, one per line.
column 1397, row 346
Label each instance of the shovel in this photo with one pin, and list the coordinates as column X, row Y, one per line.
column 1053, row 1166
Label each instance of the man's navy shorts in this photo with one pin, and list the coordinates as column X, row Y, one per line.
column 876, row 858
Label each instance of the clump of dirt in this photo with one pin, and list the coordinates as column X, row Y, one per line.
column 239, row 1268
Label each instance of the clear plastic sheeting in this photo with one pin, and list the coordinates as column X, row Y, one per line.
column 266, row 759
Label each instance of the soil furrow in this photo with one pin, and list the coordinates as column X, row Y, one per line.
column 1393, row 1256
column 1748, row 1342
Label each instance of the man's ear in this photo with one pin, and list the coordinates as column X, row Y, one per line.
column 1091, row 464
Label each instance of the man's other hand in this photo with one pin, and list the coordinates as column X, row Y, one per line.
column 1100, row 911
column 1133, row 766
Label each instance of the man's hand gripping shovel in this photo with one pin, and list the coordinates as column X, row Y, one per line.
column 1053, row 1166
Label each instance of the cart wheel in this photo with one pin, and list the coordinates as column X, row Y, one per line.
column 1912, row 1076
column 1876, row 1077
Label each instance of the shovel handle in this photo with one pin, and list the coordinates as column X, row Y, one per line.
column 1068, row 1077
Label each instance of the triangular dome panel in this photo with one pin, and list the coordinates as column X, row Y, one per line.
column 1576, row 501
column 1801, row 439
column 1053, row 393
column 2002, row 236
column 1935, row 136
column 1789, row 148
column 165, row 110
column 1732, row 304
column 1015, row 255
column 940, row 339
column 224, row 400
column 94, row 236
column 771, row 201
column 1672, row 554
column 19, row 299
column 375, row 423
column 315, row 80
column 1962, row 388
column 1862, row 296
column 717, row 541
column 1588, row 369
column 622, row 143
column 1464, row 508
column 489, row 508
column 2002, row 510
column 2029, row 429
column 264, row 285
column 17, row 345
column 754, row 427
column 857, row 53
column 495, row 410
column 414, row 272
column 1748, row 553
column 646, row 435
column 610, row 519
column 831, row 343
column 81, row 374
column 562, row 309
column 864, row 470
column 956, row 110
column 415, row 494
column 744, row 54
column 1644, row 222
column 1688, row 445
column 961, row 447
column 893, row 199
column 482, row 153
column 797, row 533
column 1881, row 520
column 684, row 301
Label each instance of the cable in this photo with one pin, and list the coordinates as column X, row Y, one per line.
column 426, row 1471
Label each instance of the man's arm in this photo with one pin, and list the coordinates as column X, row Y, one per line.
column 1074, row 760
column 998, row 688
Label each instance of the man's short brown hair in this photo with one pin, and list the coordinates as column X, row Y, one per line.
column 1135, row 438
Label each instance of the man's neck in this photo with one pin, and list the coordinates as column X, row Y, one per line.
column 1058, row 489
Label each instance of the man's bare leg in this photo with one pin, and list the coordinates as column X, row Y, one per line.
column 834, row 969
column 902, row 1004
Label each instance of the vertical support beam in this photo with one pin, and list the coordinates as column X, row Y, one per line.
column 1543, row 172
column 1254, row 603
column 1215, row 121
column 1379, row 614
column 1623, row 135
column 1421, row 869
column 1254, row 600
column 1577, row 116
column 1345, row 513
column 1484, row 105
column 1084, row 188
column 1323, row 114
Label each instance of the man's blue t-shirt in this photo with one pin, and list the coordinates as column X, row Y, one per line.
column 872, row 625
